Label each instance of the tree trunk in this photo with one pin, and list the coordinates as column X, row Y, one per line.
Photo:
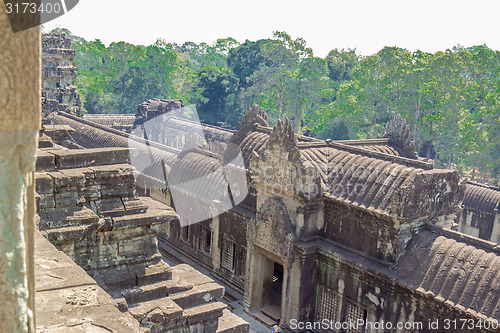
column 279, row 107
column 428, row 153
column 417, row 114
column 473, row 169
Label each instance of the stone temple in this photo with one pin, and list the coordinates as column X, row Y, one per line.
column 337, row 232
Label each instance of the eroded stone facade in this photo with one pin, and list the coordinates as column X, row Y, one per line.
column 338, row 230
column 89, row 209
column 59, row 72
column 481, row 215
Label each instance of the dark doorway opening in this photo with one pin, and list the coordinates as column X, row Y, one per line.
column 272, row 293
column 277, row 284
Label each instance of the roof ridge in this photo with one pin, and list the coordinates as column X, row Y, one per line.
column 467, row 239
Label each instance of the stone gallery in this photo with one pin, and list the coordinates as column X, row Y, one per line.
column 358, row 231
column 348, row 236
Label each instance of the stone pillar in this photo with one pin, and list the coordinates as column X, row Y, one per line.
column 215, row 242
column 20, row 103
column 285, row 292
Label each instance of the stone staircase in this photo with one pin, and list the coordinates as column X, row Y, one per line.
column 88, row 209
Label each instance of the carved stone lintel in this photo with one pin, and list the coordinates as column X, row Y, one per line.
column 398, row 133
column 272, row 229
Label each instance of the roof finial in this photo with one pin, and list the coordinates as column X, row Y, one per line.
column 398, row 133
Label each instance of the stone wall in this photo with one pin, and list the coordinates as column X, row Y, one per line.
column 19, row 124
column 89, row 210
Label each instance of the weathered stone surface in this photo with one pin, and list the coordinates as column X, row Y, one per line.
column 152, row 273
column 68, row 299
column 44, row 161
column 121, row 122
column 154, row 107
column 67, row 159
column 398, row 133
column 230, row 323
column 112, row 236
column 481, row 214
column 204, row 312
column 166, row 310
column 59, row 73
column 67, row 217
column 199, row 294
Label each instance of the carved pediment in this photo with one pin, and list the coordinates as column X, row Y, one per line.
column 253, row 117
column 283, row 137
column 279, row 168
column 272, row 229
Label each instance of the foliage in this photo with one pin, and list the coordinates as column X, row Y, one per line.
column 450, row 98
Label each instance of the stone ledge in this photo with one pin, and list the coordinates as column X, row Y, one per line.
column 204, row 312
column 78, row 158
column 69, row 300
column 231, row 323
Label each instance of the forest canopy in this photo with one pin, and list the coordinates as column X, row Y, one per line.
column 450, row 98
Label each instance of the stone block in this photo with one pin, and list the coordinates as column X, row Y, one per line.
column 145, row 293
column 189, row 274
column 199, row 294
column 110, row 207
column 44, row 161
column 152, row 273
column 205, row 312
column 117, row 191
column 151, row 216
column 67, row 217
column 158, row 311
column 70, row 234
column 231, row 323
column 76, row 158
column 119, row 279
column 44, row 184
column 135, row 206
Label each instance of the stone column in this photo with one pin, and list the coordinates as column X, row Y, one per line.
column 215, row 242
column 284, row 292
column 20, row 109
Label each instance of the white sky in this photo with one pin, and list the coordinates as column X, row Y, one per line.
column 367, row 25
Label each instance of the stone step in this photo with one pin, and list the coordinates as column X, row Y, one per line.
column 156, row 311
column 204, row 313
column 231, row 323
column 259, row 316
column 159, row 272
column 176, row 285
column 145, row 293
column 70, row 234
column 45, row 161
column 55, row 218
column 68, row 159
column 199, row 294
column 272, row 311
column 115, row 207
column 119, row 279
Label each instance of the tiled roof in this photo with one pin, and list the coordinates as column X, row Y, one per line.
column 464, row 274
column 112, row 120
column 482, row 197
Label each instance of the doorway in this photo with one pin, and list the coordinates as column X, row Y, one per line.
column 273, row 291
